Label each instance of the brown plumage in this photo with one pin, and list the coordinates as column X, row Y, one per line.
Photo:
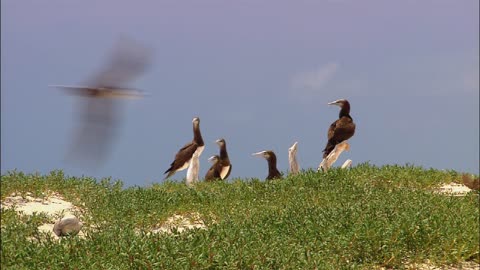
column 340, row 130
column 271, row 158
column 213, row 173
column 224, row 165
column 184, row 155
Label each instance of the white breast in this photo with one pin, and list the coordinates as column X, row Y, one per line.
column 199, row 150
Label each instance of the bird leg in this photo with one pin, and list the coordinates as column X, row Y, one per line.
column 333, row 156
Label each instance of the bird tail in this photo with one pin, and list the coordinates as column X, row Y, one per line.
column 170, row 173
column 328, row 148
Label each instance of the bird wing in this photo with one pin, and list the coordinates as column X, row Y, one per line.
column 102, row 91
column 225, row 171
column 341, row 130
column 212, row 173
column 127, row 61
column 331, row 130
column 182, row 158
column 344, row 129
column 78, row 90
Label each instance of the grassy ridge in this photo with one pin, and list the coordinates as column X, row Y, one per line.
column 359, row 218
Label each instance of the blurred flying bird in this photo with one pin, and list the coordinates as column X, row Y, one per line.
column 340, row 130
column 271, row 158
column 99, row 101
column 185, row 154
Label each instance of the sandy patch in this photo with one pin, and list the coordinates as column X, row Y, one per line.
column 180, row 223
column 52, row 204
column 453, row 189
column 462, row 266
column 427, row 265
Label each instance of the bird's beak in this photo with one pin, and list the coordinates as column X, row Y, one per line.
column 333, row 103
column 217, row 141
column 259, row 154
column 210, row 159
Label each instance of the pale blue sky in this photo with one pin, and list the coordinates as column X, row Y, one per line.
column 258, row 73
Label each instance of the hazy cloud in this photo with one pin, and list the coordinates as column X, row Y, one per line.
column 316, row 79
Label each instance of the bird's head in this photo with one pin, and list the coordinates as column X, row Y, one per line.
column 265, row 154
column 220, row 142
column 339, row 102
column 214, row 159
column 196, row 121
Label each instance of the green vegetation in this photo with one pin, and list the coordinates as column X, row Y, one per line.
column 360, row 218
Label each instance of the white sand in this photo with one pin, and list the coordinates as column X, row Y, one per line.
column 454, row 189
column 181, row 223
column 53, row 205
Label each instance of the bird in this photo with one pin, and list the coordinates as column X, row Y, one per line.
column 99, row 108
column 184, row 155
column 271, row 158
column 342, row 129
column 66, row 226
column 213, row 173
column 224, row 165
column 292, row 159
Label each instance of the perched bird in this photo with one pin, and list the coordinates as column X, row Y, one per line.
column 292, row 159
column 224, row 165
column 340, row 130
column 184, row 155
column 98, row 101
column 273, row 172
column 213, row 173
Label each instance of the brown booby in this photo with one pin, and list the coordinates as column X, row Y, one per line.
column 213, row 173
column 292, row 159
column 184, row 155
column 342, row 129
column 271, row 158
column 99, row 107
column 224, row 165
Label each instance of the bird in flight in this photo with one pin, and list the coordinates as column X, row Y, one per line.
column 99, row 107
